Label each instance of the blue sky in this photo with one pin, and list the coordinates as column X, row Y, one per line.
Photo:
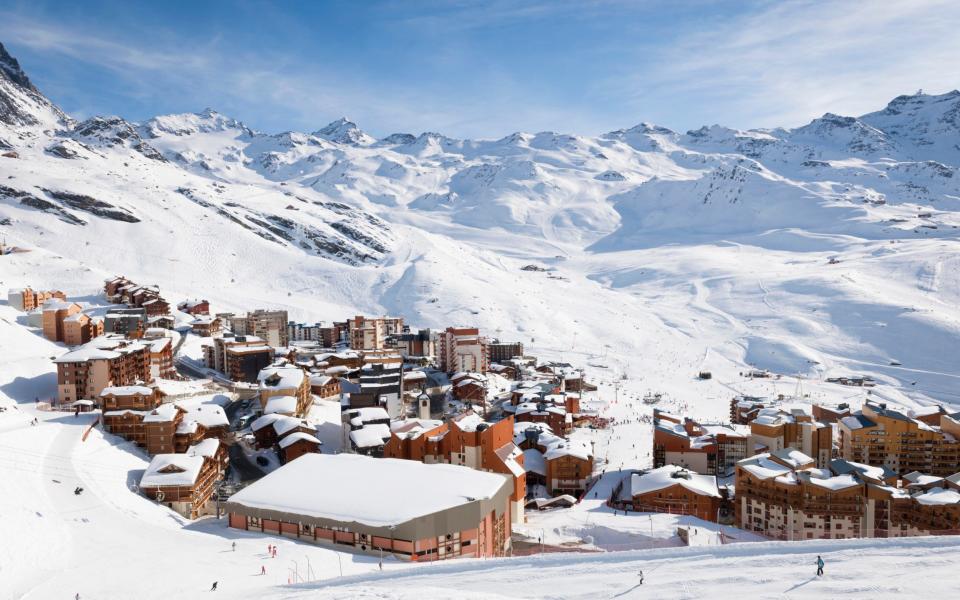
column 485, row 69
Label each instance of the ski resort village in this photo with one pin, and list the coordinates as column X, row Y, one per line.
column 641, row 364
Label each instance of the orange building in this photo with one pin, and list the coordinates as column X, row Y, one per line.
column 704, row 449
column 54, row 312
column 102, row 362
column 185, row 482
column 675, row 490
column 892, row 438
column 80, row 328
column 27, row 299
column 465, row 440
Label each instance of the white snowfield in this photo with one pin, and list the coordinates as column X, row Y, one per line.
column 827, row 250
column 901, row 568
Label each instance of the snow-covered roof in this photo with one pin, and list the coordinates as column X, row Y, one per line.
column 469, row 421
column 261, row 422
column 792, row 457
column 208, row 415
column 761, row 466
column 172, row 470
column 918, row 478
column 938, row 497
column 370, row 436
column 127, row 390
column 161, row 414
column 303, row 487
column 281, row 377
column 207, row 447
column 285, row 424
column 671, row 475
column 413, row 428
column 534, row 462
column 367, row 414
column 575, row 448
column 316, row 379
column 299, row 436
column 838, row 482
column 280, row 404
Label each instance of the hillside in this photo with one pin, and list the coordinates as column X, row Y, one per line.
column 825, row 250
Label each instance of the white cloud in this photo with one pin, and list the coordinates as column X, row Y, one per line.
column 793, row 61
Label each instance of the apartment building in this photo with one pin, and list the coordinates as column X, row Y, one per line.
column 784, row 496
column 499, row 352
column 239, row 357
column 186, row 481
column 744, row 409
column 380, row 382
column 704, row 449
column 269, row 325
column 284, row 389
column 194, row 307
column 130, row 322
column 901, row 442
column 79, row 328
column 462, row 349
column 465, row 440
column 414, row 346
column 563, row 466
column 371, row 333
column 206, row 325
column 102, row 362
column 160, row 351
column 672, row 489
column 54, row 313
column 303, row 332
column 26, row 299
column 775, row 429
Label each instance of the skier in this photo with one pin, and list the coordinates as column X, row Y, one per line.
column 78, row 490
column 819, row 566
column 234, row 545
column 263, row 570
column 641, row 577
column 213, row 588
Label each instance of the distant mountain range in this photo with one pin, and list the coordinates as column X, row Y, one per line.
column 436, row 227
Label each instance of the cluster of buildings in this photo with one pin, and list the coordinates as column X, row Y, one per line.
column 808, row 471
column 784, row 495
column 187, row 443
column 121, row 290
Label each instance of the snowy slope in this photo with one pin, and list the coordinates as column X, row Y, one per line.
column 666, row 253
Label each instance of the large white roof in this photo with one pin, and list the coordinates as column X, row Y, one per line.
column 670, row 475
column 127, row 390
column 293, row 438
column 289, row 377
column 370, row 436
column 280, row 404
column 362, row 483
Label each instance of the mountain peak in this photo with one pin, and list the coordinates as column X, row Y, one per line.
column 10, row 68
column 343, row 131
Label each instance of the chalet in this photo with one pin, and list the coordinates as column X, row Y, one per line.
column 269, row 430
column 185, row 482
column 324, row 386
column 205, row 325
column 284, row 389
column 675, row 490
column 297, row 444
column 194, row 307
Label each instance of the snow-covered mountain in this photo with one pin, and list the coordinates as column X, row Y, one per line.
column 666, row 252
